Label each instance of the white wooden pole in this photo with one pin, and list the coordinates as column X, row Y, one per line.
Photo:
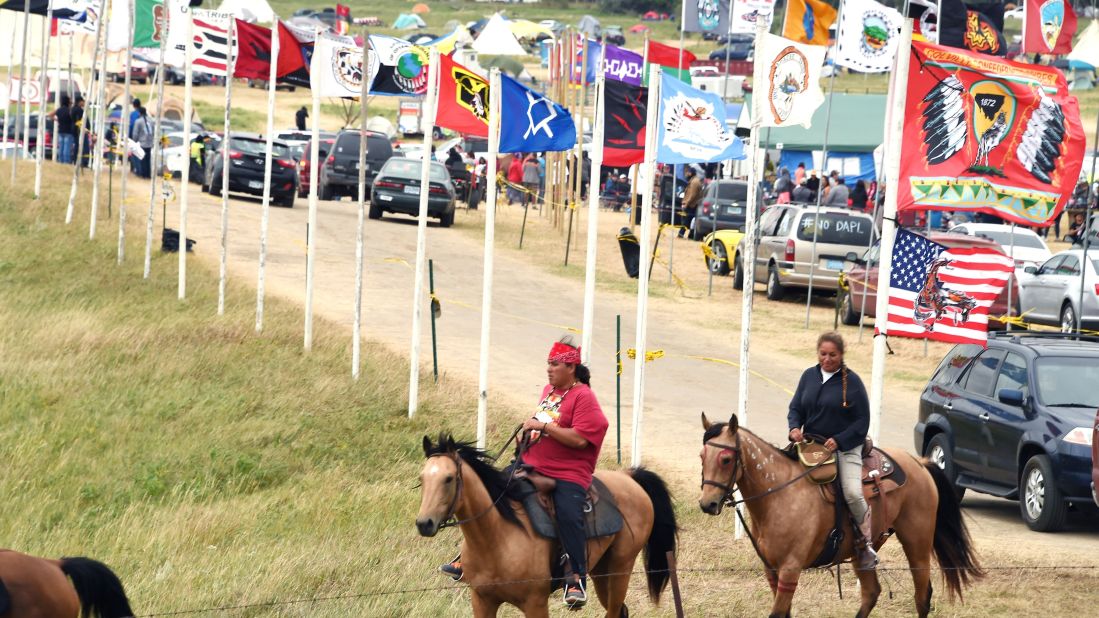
column 123, row 134
column 364, row 146
column 266, row 206
column 223, row 269
column 893, row 132
column 101, row 111
column 185, row 175
column 647, row 178
column 155, row 154
column 42, row 100
column 593, row 220
column 430, row 103
column 11, row 88
column 311, row 226
column 21, row 131
column 490, row 240
column 57, row 91
column 81, row 129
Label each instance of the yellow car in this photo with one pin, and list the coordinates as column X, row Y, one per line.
column 717, row 247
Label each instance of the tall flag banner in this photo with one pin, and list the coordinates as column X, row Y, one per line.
column 707, row 16
column 399, row 67
column 595, row 53
column 808, row 21
column 966, row 28
column 791, row 89
column 150, row 24
column 177, row 32
column 668, row 57
column 925, row 20
column 747, row 12
column 1048, row 26
column 988, row 135
column 336, row 68
column 210, row 43
column 529, row 122
column 295, row 54
column 253, row 59
column 943, row 294
column 70, row 16
column 72, row 10
column 867, row 37
column 622, row 65
column 693, row 127
column 343, row 19
column 463, row 99
column 624, row 114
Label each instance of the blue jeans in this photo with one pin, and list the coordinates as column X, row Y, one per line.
column 65, row 142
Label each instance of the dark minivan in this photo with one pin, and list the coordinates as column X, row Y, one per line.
column 339, row 174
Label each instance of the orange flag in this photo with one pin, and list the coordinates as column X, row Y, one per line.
column 807, row 21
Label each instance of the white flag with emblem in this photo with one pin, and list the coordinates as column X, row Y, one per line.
column 791, row 81
column 336, row 69
column 868, row 36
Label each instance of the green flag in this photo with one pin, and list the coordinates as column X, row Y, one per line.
column 150, row 23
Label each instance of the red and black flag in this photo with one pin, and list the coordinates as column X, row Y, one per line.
column 463, row 99
column 976, row 27
column 623, row 123
column 253, row 51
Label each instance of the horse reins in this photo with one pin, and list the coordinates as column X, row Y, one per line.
column 450, row 521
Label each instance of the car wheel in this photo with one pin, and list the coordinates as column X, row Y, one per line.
column 1040, row 501
column 738, row 273
column 775, row 291
column 847, row 311
column 1068, row 318
column 287, row 200
column 447, row 219
column 324, row 192
column 938, row 453
column 719, row 264
column 375, row 211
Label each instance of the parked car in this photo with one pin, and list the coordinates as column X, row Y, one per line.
column 739, row 47
column 1050, row 293
column 725, row 200
column 30, row 135
column 175, row 155
column 298, row 139
column 1028, row 249
column 339, row 174
column 262, row 85
column 865, row 269
column 722, row 244
column 139, row 72
column 305, row 160
column 786, row 247
column 397, row 189
column 247, row 152
column 1014, row 420
column 614, row 35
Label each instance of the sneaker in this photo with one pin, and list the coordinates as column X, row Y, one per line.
column 575, row 596
column 453, row 569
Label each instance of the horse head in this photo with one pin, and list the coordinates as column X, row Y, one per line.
column 721, row 469
column 440, row 484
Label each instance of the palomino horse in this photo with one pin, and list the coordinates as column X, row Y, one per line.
column 791, row 520
column 505, row 561
column 64, row 588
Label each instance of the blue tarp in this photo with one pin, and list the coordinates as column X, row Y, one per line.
column 852, row 166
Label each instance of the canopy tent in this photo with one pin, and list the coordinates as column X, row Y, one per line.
column 638, row 28
column 408, row 21
column 446, row 43
column 251, row 11
column 1086, row 50
column 421, row 8
column 496, row 39
column 526, row 29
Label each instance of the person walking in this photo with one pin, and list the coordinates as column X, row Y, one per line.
column 531, row 179
column 692, row 197
column 300, row 116
column 515, row 177
column 143, row 135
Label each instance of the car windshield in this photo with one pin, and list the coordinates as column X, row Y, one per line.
column 377, row 147
column 732, row 191
column 1025, row 241
column 1065, row 381
column 835, row 228
column 175, row 140
column 259, row 147
column 410, row 168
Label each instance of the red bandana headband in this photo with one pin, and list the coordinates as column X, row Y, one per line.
column 564, row 353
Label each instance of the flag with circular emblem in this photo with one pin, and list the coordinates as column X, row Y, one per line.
column 867, row 37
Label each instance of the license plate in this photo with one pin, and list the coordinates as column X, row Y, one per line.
column 834, row 264
column 412, row 190
column 385, row 198
column 734, row 210
column 255, row 184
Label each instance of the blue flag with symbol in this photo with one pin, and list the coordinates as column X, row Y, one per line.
column 693, row 126
column 530, row 122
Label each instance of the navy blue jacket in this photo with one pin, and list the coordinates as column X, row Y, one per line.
column 818, row 408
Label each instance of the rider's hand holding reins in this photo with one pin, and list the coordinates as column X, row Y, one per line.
column 831, row 444
column 796, row 435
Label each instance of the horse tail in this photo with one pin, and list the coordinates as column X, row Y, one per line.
column 953, row 547
column 664, row 534
column 98, row 588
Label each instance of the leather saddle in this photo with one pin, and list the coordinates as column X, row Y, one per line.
column 535, row 491
column 880, row 474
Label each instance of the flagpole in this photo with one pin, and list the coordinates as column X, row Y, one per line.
column 311, row 226
column 185, row 175
column 156, row 152
column 430, row 104
column 579, row 171
column 223, row 267
column 21, row 131
column 123, row 134
column 823, row 165
column 40, row 142
column 897, row 95
column 266, row 205
column 593, row 219
column 364, row 145
column 490, row 240
column 11, row 86
column 725, row 80
column 675, row 179
column 81, row 128
column 57, row 91
column 100, row 127
column 1087, row 226
column 652, row 117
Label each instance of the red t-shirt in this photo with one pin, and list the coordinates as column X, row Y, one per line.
column 581, row 412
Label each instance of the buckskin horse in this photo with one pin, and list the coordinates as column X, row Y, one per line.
column 65, row 588
column 505, row 561
column 791, row 521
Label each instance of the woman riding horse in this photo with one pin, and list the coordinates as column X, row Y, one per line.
column 831, row 403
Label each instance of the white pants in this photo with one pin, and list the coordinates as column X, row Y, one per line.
column 850, row 471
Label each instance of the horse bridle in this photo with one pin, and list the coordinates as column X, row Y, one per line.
column 730, row 487
column 449, row 520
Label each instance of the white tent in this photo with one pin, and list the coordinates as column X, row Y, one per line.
column 1087, row 46
column 251, row 11
column 496, row 39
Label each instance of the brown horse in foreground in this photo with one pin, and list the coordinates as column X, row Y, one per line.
column 33, row 587
column 791, row 523
column 505, row 561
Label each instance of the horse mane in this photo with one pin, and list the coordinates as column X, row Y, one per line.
column 495, row 481
column 716, row 429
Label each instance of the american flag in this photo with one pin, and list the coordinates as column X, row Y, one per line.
column 942, row 293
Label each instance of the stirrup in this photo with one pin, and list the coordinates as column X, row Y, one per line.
column 575, row 596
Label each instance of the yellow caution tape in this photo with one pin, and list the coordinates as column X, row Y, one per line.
column 649, row 356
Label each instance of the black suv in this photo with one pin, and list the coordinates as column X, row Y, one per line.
column 339, row 173
column 1014, row 420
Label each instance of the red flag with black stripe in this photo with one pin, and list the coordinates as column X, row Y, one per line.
column 253, row 51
